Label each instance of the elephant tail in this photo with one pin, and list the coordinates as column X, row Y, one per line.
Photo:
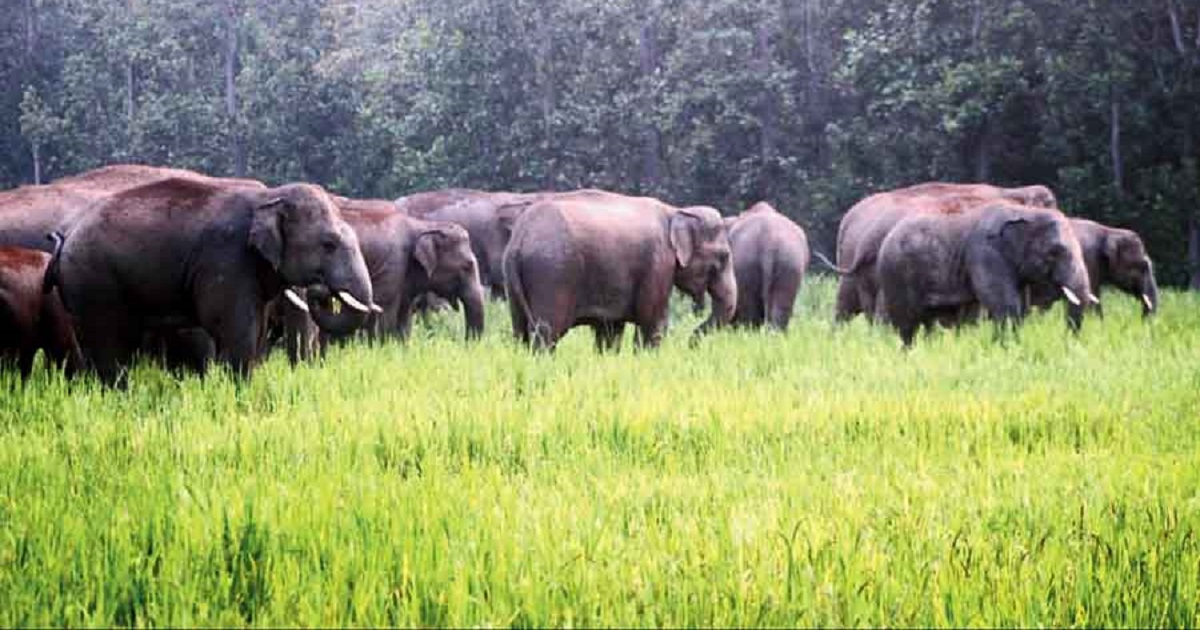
column 50, row 280
column 516, row 289
column 833, row 267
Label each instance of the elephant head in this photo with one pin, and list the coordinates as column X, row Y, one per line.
column 300, row 233
column 1124, row 258
column 704, row 261
column 1035, row 196
column 1043, row 250
column 443, row 252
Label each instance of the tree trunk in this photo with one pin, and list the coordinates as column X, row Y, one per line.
column 546, row 81
column 648, row 58
column 231, row 97
column 37, row 164
column 1115, row 145
column 1194, row 254
column 769, row 106
column 30, row 31
column 983, row 153
column 129, row 92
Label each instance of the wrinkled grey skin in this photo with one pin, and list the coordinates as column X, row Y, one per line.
column 488, row 218
column 179, row 253
column 1114, row 257
column 931, row 265
column 868, row 223
column 770, row 258
column 407, row 258
column 604, row 260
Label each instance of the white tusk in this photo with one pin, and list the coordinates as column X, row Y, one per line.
column 1092, row 298
column 295, row 300
column 1146, row 300
column 1071, row 296
column 353, row 303
column 375, row 308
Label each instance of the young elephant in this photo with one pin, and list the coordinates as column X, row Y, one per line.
column 603, row 260
column 770, row 258
column 1113, row 257
column 32, row 316
column 867, row 224
column 407, row 258
column 181, row 253
column 931, row 265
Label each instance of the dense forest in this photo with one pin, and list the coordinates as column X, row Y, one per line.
column 811, row 104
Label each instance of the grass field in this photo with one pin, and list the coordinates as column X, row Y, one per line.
column 824, row 477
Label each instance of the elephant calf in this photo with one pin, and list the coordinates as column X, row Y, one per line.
column 770, row 258
column 1113, row 257
column 603, row 260
column 32, row 318
column 932, row 265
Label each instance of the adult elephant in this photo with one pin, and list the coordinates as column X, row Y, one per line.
column 406, row 258
column 487, row 217
column 603, row 260
column 31, row 318
column 934, row 264
column 770, row 259
column 868, row 223
column 1114, row 257
column 182, row 253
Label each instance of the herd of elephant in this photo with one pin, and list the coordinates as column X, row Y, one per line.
column 128, row 260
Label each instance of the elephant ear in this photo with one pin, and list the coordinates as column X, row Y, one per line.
column 1112, row 249
column 507, row 215
column 265, row 235
column 426, row 251
column 683, row 237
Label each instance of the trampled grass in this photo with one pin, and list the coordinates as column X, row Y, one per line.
column 824, row 477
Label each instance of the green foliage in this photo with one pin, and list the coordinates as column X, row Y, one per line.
column 811, row 104
column 820, row 478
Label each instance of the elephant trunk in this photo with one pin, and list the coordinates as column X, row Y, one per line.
column 723, row 291
column 1149, row 296
column 1078, row 290
column 472, row 300
column 337, row 322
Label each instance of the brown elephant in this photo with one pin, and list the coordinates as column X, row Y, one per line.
column 1114, row 257
column 867, row 224
column 934, row 264
column 770, row 259
column 487, row 217
column 603, row 260
column 29, row 213
column 31, row 317
column 181, row 253
column 406, row 258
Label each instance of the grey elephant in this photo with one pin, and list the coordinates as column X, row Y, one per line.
column 1114, row 257
column 934, row 264
column 770, row 259
column 407, row 258
column 181, row 253
column 603, row 260
column 487, row 217
column 868, row 223
column 31, row 317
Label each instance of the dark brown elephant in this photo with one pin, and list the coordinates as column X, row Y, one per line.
column 770, row 259
column 867, row 224
column 1114, row 257
column 934, row 264
column 32, row 318
column 181, row 253
column 603, row 260
column 407, row 258
column 487, row 217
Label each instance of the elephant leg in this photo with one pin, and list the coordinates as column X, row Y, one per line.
column 847, row 305
column 781, row 301
column 650, row 334
column 608, row 335
column 109, row 344
column 25, row 361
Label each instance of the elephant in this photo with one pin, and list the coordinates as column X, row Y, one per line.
column 934, row 264
column 603, row 260
column 1113, row 257
column 770, row 258
column 867, row 224
column 182, row 253
column 488, row 218
column 32, row 316
column 407, row 258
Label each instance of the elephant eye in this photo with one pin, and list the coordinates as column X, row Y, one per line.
column 329, row 244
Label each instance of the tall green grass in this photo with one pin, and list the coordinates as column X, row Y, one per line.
column 822, row 477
